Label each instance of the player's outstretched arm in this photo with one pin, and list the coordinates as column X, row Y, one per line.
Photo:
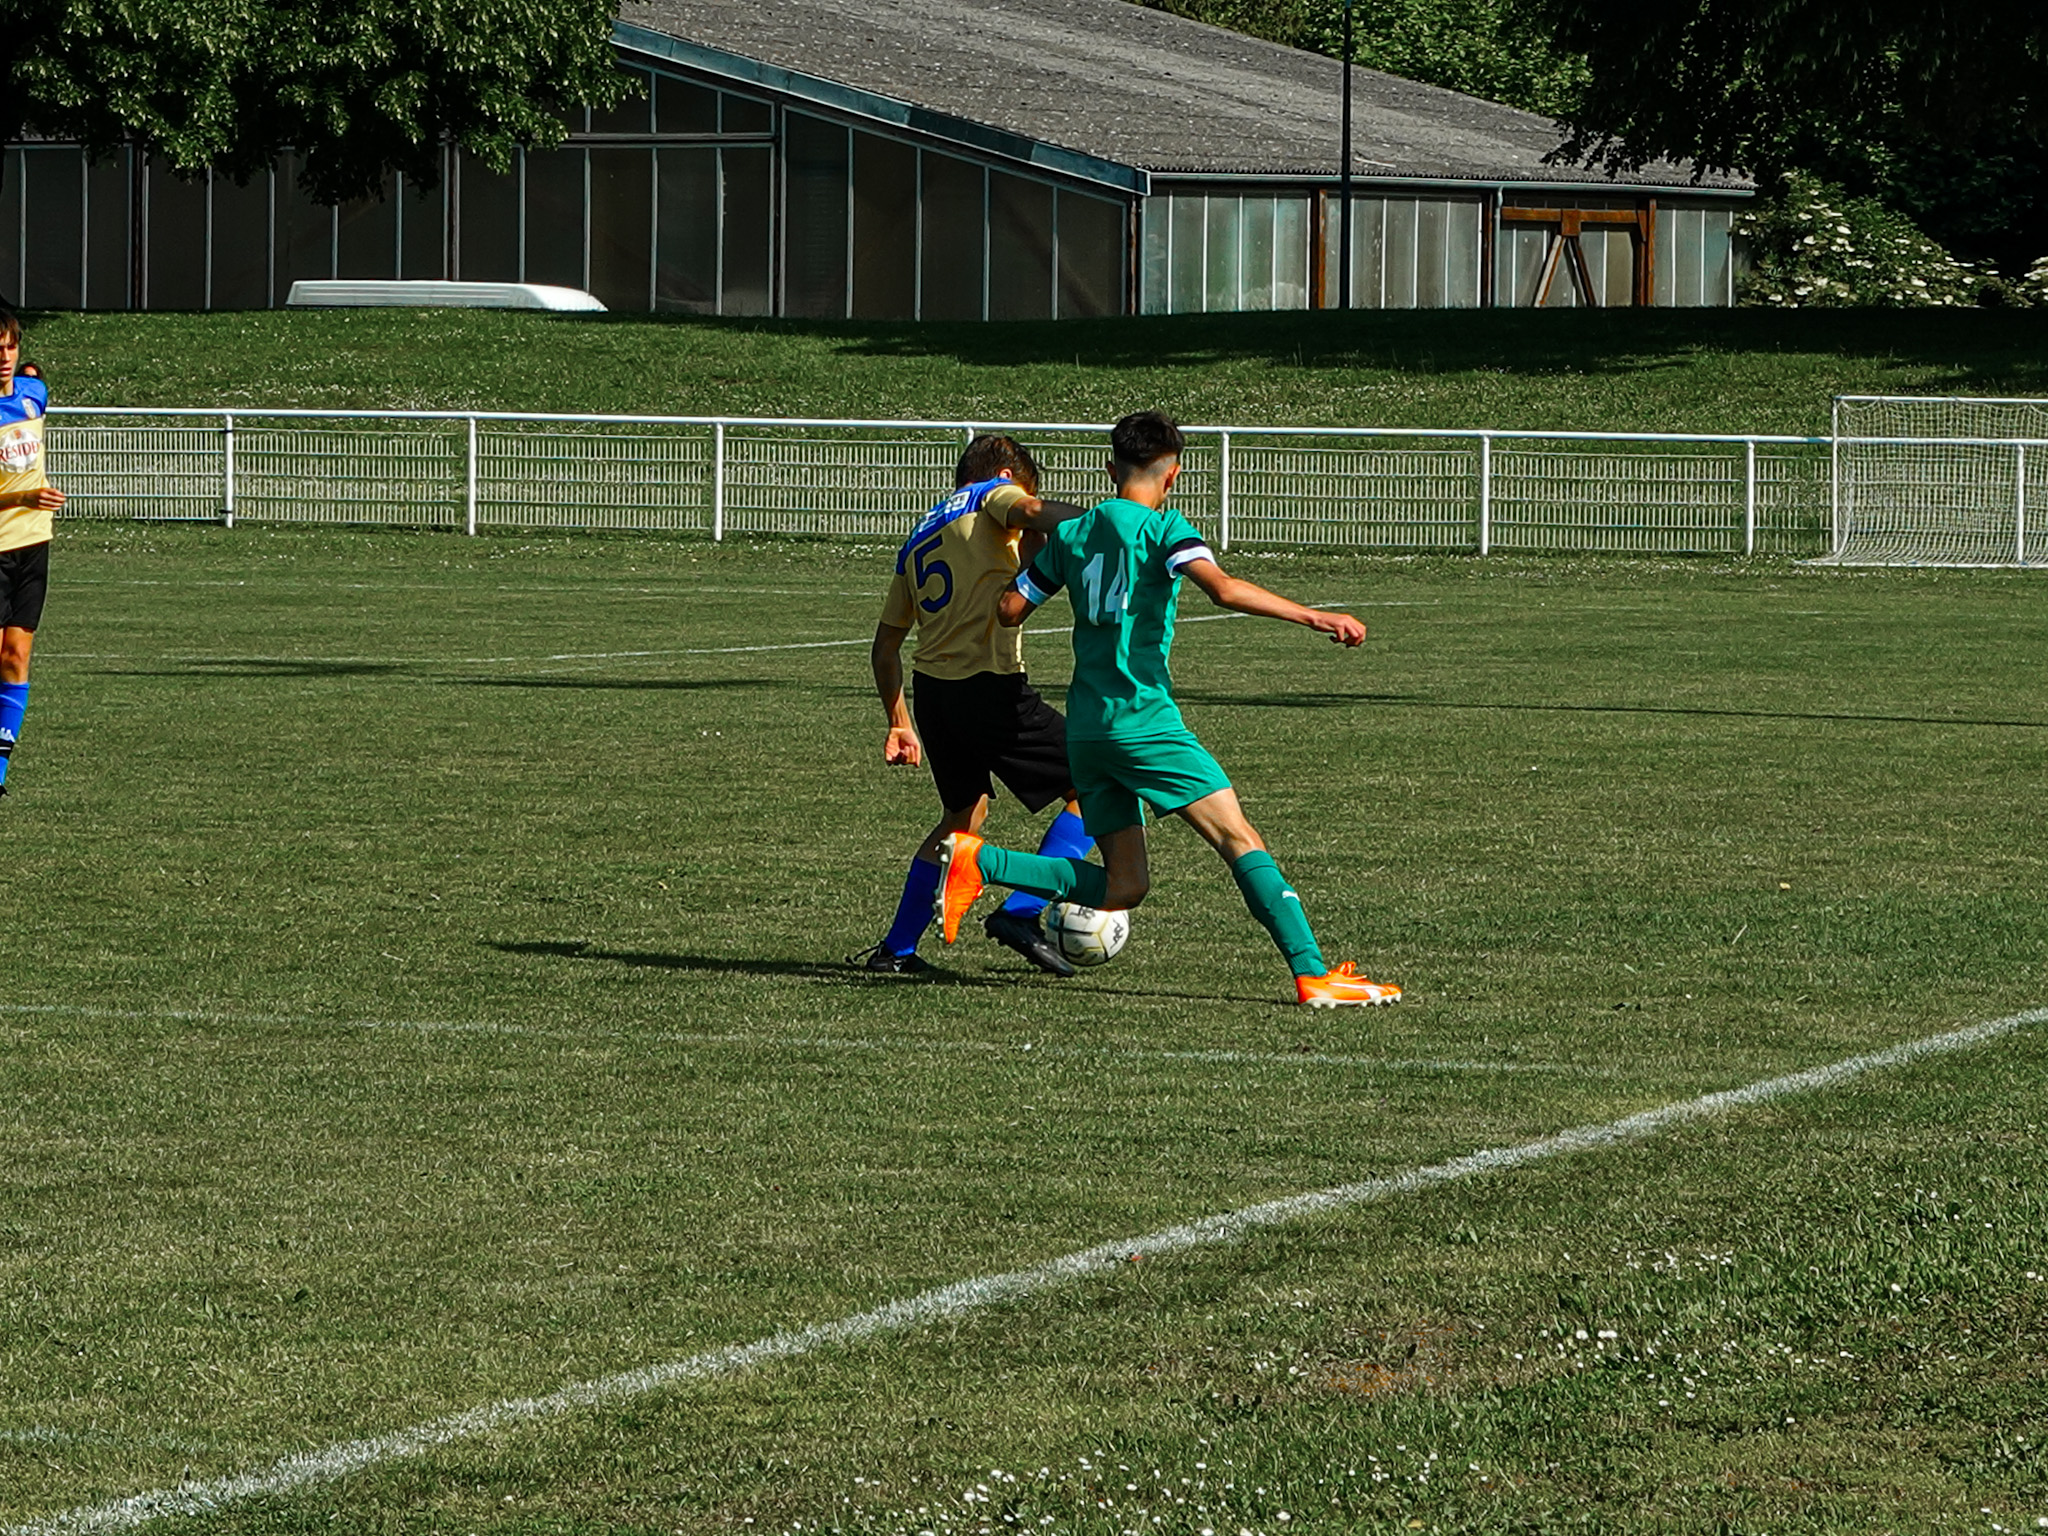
column 1042, row 516
column 44, row 498
column 901, row 745
column 1227, row 591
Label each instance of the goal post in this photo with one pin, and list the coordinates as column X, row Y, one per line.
column 1939, row 481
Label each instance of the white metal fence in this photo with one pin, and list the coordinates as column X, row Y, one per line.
column 1360, row 488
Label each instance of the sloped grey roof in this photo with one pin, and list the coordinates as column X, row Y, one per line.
column 1119, row 82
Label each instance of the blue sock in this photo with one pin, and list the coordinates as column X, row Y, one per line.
column 914, row 911
column 13, row 704
column 1064, row 839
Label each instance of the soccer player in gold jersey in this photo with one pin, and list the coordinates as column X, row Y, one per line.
column 977, row 718
column 27, row 500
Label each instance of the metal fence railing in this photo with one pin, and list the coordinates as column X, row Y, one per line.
column 1362, row 488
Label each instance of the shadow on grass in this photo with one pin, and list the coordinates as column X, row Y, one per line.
column 826, row 970
column 735, row 965
column 1981, row 347
column 245, row 667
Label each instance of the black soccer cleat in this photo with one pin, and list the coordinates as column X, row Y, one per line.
column 1025, row 936
column 886, row 962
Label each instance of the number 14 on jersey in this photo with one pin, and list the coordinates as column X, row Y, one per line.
column 1105, row 605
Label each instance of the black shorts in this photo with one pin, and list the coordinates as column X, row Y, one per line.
column 24, row 583
column 991, row 724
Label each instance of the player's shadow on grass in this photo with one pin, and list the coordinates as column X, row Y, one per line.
column 735, row 965
column 819, row 970
column 245, row 667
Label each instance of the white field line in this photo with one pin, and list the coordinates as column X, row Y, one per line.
column 309, row 1468
column 901, row 1045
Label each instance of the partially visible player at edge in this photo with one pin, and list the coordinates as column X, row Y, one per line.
column 26, row 501
column 977, row 715
column 1122, row 565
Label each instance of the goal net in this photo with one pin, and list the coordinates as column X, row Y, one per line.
column 1923, row 481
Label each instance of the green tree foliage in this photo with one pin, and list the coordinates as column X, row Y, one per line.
column 1480, row 47
column 359, row 87
column 1940, row 107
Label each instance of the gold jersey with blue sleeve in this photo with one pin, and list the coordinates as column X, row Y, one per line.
column 21, row 464
column 949, row 576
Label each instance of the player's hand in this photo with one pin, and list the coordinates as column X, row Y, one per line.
column 47, row 499
column 902, row 749
column 1341, row 628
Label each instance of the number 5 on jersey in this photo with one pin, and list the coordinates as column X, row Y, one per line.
column 925, row 568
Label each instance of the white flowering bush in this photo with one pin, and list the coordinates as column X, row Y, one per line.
column 2033, row 288
column 1812, row 244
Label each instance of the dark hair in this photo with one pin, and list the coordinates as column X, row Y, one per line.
column 990, row 454
column 1143, row 438
column 10, row 323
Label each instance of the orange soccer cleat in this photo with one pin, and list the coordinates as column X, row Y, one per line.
column 1344, row 988
column 959, row 881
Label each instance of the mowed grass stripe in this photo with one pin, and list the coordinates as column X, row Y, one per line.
column 521, row 661
column 952, row 1301
column 907, row 1045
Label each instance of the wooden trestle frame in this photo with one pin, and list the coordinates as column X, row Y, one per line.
column 1640, row 222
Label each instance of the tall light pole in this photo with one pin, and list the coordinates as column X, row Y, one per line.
column 1344, row 179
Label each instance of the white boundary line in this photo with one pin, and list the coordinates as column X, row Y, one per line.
column 906, row 1045
column 309, row 1468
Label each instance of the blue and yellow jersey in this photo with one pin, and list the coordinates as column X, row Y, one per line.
column 21, row 464
column 1120, row 566
column 950, row 574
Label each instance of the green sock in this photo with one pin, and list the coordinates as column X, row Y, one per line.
column 1054, row 879
column 1278, row 909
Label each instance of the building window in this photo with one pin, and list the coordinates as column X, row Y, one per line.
column 1020, row 248
column 746, row 228
column 366, row 236
column 884, row 229
column 175, row 217
column 622, row 227
column 953, row 248
column 686, row 230
column 633, row 115
column 555, row 202
column 1408, row 253
column 815, row 243
column 53, row 244
column 109, row 207
column 241, row 244
column 681, row 107
column 1091, row 249
column 423, row 229
column 487, row 223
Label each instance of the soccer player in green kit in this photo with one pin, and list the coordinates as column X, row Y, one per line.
column 1122, row 565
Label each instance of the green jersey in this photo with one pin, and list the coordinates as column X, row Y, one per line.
column 1121, row 565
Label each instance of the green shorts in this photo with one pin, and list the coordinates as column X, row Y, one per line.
column 1116, row 780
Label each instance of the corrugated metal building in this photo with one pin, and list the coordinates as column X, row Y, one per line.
column 927, row 159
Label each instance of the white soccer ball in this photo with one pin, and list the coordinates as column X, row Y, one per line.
column 1085, row 936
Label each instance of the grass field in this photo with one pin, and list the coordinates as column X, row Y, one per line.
column 1620, row 370
column 423, row 992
